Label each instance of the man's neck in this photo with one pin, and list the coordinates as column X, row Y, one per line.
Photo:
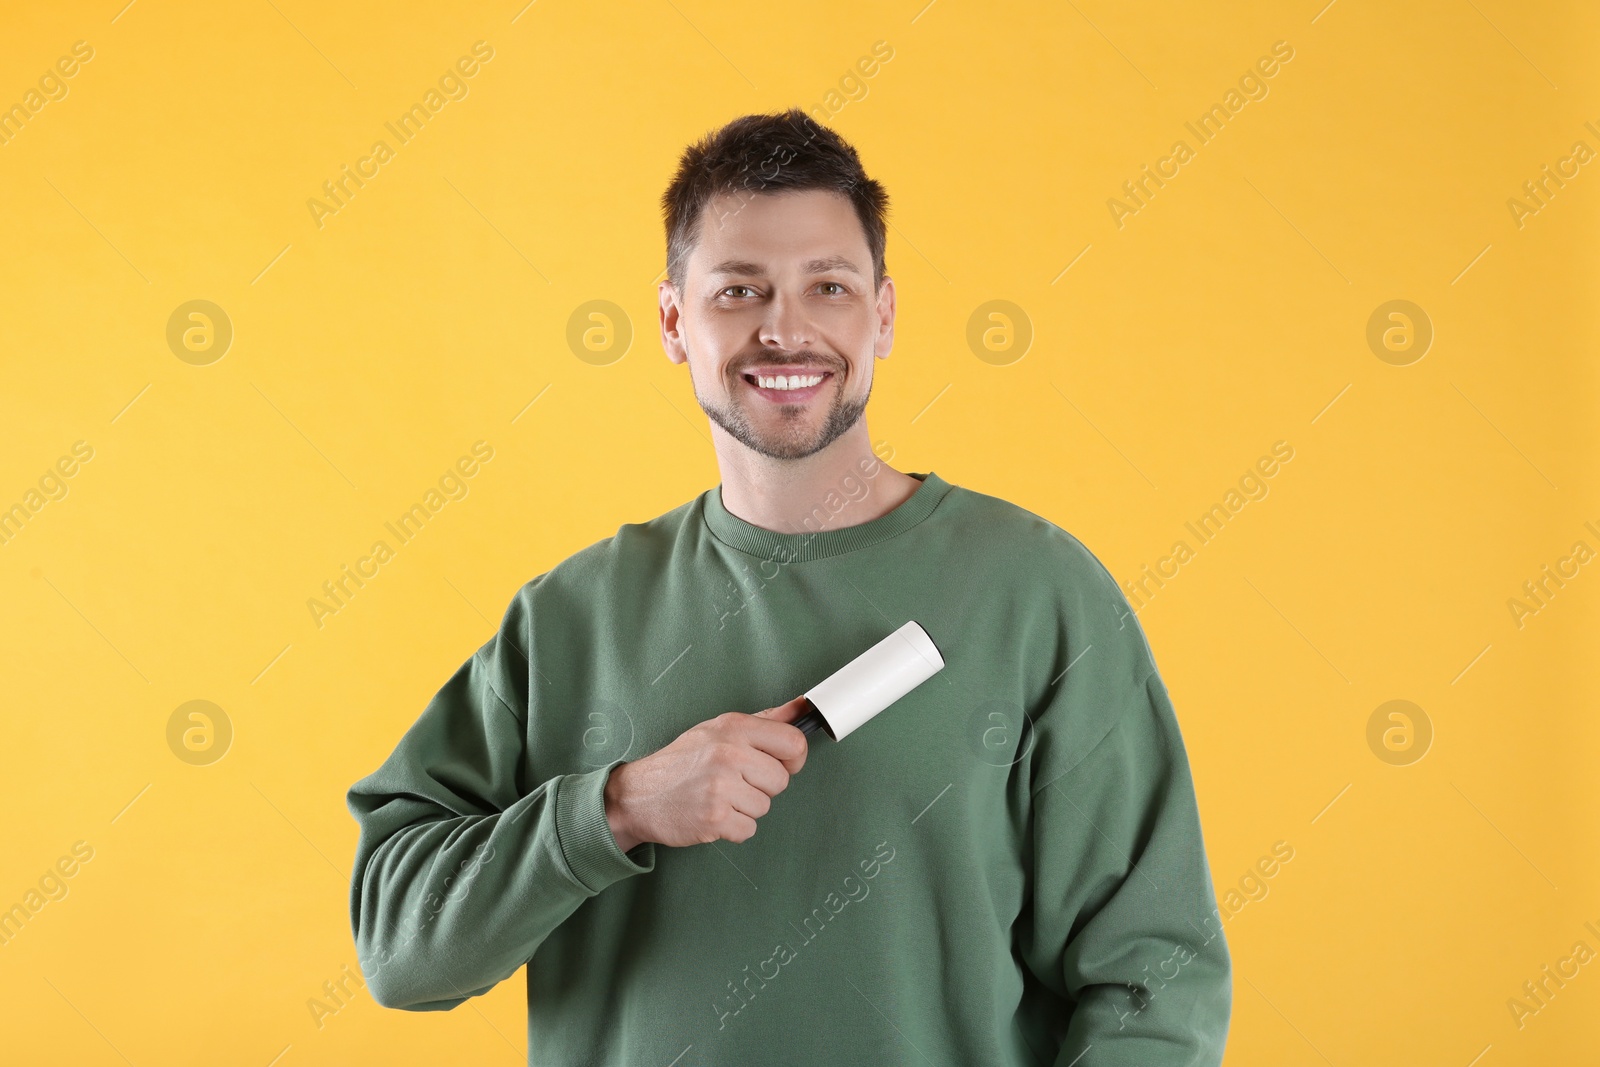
column 825, row 491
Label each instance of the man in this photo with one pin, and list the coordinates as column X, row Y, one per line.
column 1004, row 867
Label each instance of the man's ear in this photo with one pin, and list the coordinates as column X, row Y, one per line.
column 883, row 343
column 671, row 323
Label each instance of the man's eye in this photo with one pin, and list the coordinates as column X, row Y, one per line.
column 836, row 285
column 731, row 288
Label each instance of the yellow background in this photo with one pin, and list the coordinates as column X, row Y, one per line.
column 372, row 351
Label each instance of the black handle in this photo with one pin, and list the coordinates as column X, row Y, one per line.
column 810, row 722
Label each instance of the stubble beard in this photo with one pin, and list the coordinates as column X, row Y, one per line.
column 843, row 414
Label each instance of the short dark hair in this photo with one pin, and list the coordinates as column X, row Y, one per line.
column 786, row 150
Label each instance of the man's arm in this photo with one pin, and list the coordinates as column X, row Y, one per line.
column 1124, row 917
column 458, row 875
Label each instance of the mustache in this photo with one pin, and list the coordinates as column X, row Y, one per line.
column 766, row 361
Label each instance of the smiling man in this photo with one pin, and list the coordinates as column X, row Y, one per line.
column 784, row 302
column 1003, row 868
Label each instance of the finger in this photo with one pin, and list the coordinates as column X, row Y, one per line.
column 752, row 801
column 738, row 828
column 768, row 775
column 792, row 764
column 782, row 742
column 788, row 712
column 787, row 745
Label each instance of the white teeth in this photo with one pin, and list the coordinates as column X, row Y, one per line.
column 793, row 381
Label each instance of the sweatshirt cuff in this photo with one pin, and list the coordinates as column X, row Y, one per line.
column 587, row 843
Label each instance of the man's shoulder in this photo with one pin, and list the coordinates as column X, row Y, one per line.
column 635, row 548
column 1094, row 660
column 1049, row 577
column 1030, row 542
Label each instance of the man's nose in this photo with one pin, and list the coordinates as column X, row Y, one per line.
column 786, row 325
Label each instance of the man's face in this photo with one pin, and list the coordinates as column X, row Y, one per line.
column 780, row 286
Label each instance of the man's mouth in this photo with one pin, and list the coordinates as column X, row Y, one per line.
column 796, row 388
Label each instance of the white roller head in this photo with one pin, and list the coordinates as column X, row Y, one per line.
column 875, row 679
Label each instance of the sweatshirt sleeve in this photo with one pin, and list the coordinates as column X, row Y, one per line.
column 461, row 870
column 1124, row 918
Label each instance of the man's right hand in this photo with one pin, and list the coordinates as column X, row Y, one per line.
column 711, row 783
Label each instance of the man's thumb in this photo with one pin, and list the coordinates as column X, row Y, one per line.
column 789, row 712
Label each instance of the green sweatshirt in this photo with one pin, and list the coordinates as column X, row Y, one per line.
column 1004, row 867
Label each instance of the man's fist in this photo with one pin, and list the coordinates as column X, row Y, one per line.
column 711, row 783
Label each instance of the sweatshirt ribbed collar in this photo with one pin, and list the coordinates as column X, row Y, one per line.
column 823, row 541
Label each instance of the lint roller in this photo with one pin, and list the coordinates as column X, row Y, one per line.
column 871, row 682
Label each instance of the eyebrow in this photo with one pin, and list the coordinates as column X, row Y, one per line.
column 814, row 266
